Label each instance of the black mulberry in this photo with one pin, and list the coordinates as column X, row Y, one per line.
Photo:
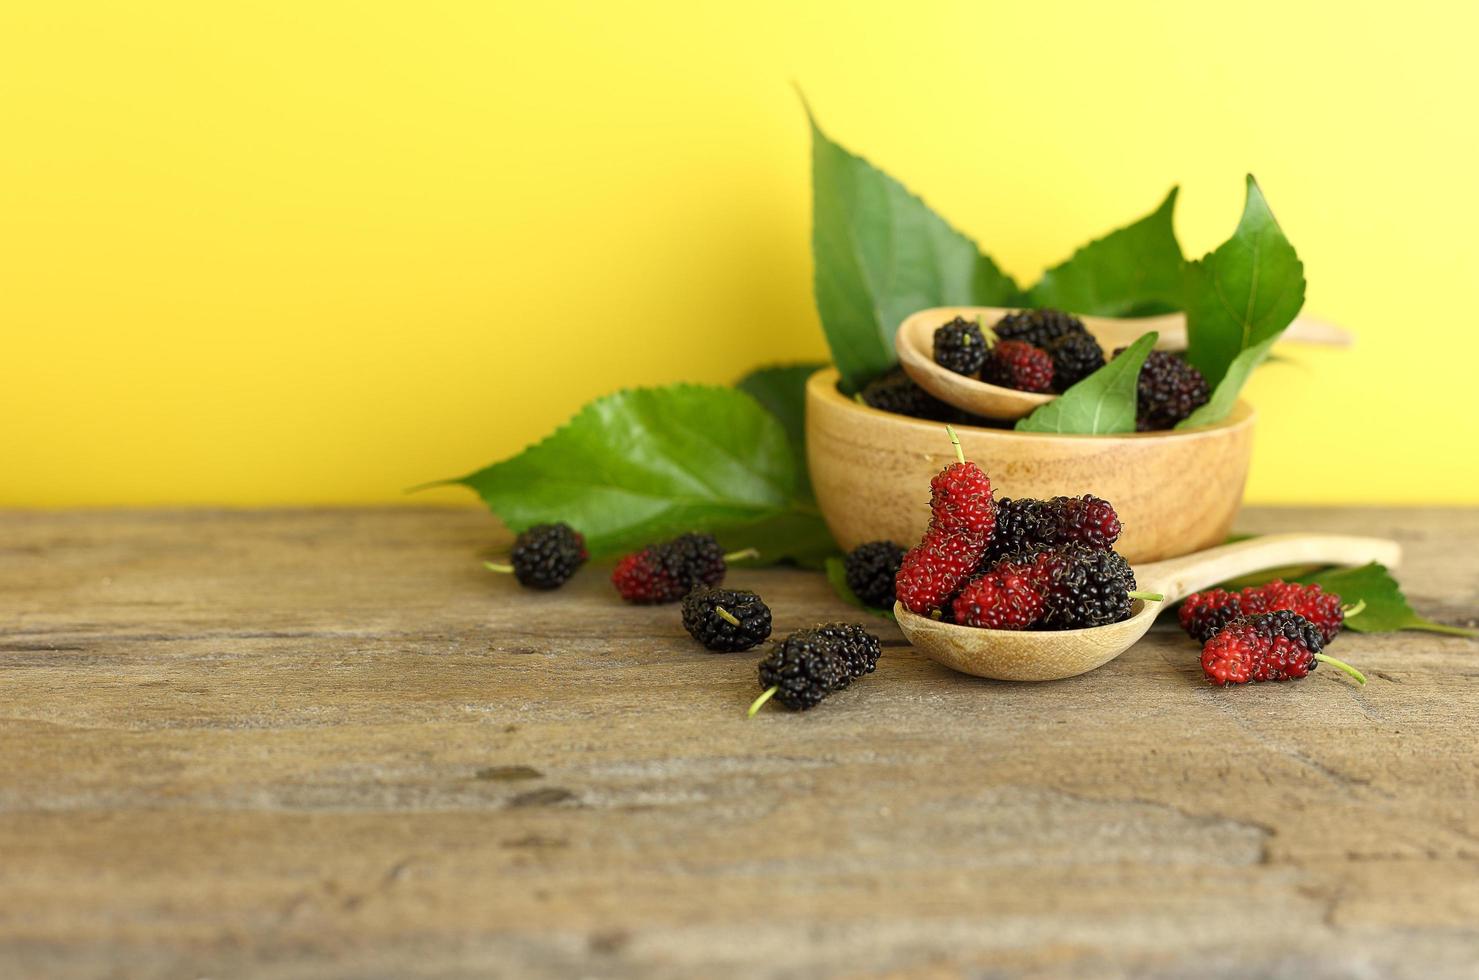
column 544, row 556
column 1170, row 389
column 870, row 571
column 1081, row 587
column 960, row 346
column 802, row 670
column 726, row 620
column 1075, row 357
column 1037, row 327
column 858, row 648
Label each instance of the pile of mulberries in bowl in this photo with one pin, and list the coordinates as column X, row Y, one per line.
column 1049, row 351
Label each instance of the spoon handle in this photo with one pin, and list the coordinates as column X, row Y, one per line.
column 1177, row 578
column 1172, row 329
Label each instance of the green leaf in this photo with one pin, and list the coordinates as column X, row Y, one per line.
column 782, row 390
column 1134, row 271
column 837, row 576
column 881, row 254
column 644, row 464
column 799, row 536
column 1104, row 402
column 1239, row 299
column 1225, row 395
column 1386, row 607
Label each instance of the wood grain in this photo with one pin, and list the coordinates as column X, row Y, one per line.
column 327, row 743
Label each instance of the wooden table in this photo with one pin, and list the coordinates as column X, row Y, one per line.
column 328, row 743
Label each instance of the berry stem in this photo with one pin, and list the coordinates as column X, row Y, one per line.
column 760, row 701
column 1342, row 665
column 1147, row 596
column 955, row 441
column 726, row 615
column 501, row 569
column 741, row 554
column 1348, row 611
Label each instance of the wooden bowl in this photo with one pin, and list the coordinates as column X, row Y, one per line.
column 1175, row 492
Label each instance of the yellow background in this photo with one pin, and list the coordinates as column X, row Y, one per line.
column 319, row 252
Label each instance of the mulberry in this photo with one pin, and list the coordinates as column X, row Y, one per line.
column 544, row 556
column 726, row 620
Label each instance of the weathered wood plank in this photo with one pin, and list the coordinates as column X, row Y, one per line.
column 277, row 743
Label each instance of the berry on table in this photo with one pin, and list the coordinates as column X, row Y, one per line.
column 544, row 556
column 1075, row 356
column 1274, row 646
column 858, row 648
column 870, row 570
column 726, row 620
column 1322, row 608
column 1204, row 613
column 1037, row 327
column 666, row 572
column 1019, row 365
column 960, row 346
column 813, row 663
column 1006, row 599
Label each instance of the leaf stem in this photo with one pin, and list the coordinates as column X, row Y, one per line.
column 1348, row 611
column 726, row 615
column 1147, row 596
column 955, row 441
column 742, row 554
column 760, row 701
column 501, row 569
column 1342, row 665
column 1432, row 627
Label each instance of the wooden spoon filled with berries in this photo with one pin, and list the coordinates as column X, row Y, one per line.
column 1003, row 364
column 1032, row 590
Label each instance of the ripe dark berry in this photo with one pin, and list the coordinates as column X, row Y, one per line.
column 934, row 569
column 1075, row 356
column 961, row 497
column 1014, row 364
column 870, row 572
column 1088, row 520
column 666, row 572
column 802, row 670
column 726, row 620
column 545, row 556
column 1081, row 587
column 1204, row 613
column 1169, row 390
column 1002, row 600
column 896, row 392
column 960, row 346
column 1024, row 525
column 858, row 648
column 1037, row 327
column 1274, row 646
column 1310, row 601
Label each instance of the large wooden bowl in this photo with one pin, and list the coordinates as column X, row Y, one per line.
column 1176, row 492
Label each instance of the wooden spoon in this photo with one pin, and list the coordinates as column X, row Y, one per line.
column 1048, row 656
column 915, row 344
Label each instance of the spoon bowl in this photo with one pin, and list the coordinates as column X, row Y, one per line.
column 915, row 345
column 1011, row 655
